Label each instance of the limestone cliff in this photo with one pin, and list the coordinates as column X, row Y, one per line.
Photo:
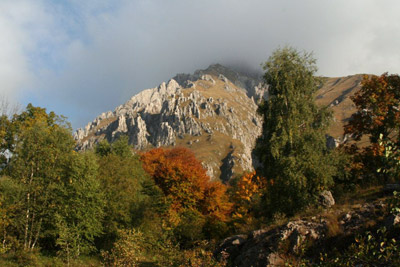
column 208, row 114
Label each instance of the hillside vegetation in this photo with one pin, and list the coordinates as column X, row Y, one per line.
column 132, row 188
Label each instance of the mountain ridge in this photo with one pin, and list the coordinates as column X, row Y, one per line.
column 209, row 113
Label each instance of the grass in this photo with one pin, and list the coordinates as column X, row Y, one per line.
column 334, row 88
column 39, row 260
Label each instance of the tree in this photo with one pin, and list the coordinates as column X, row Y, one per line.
column 378, row 117
column 191, row 200
column 378, row 109
column 183, row 179
column 11, row 193
column 245, row 194
column 121, row 176
column 80, row 203
column 40, row 146
column 292, row 147
column 53, row 179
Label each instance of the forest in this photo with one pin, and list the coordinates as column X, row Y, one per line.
column 114, row 206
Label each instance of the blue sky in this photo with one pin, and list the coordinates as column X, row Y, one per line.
column 81, row 58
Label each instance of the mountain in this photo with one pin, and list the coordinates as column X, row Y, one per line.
column 213, row 112
column 335, row 93
column 206, row 112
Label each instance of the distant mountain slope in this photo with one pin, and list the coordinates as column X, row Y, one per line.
column 212, row 112
column 336, row 93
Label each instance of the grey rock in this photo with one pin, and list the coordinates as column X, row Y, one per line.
column 208, row 78
column 223, row 78
column 159, row 116
column 229, row 246
column 263, row 247
column 326, row 199
column 331, row 142
column 190, row 84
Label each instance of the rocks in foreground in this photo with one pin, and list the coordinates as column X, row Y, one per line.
column 271, row 246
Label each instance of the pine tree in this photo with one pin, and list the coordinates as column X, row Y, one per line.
column 292, row 148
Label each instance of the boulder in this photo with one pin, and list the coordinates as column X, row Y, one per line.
column 326, row 199
column 264, row 247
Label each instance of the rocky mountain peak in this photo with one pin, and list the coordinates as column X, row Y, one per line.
column 250, row 81
column 205, row 112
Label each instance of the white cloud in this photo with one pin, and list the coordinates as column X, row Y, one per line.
column 81, row 58
column 14, row 66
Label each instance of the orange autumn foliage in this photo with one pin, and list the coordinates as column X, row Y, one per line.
column 378, row 117
column 183, row 179
column 248, row 186
column 378, row 104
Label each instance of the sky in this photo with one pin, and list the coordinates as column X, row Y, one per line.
column 81, row 58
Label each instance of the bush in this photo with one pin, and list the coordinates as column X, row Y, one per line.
column 128, row 250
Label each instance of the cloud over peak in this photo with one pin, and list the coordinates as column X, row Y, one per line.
column 80, row 58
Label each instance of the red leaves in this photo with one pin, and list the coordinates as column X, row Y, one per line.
column 182, row 178
column 378, row 104
column 378, row 116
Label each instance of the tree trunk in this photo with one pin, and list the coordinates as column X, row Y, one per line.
column 28, row 203
column 37, row 234
column 28, row 195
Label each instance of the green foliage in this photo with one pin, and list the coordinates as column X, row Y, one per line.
column 11, row 193
column 156, row 201
column 120, row 176
column 53, row 188
column 120, row 148
column 394, row 204
column 344, row 180
column 41, row 146
column 103, row 148
column 292, row 148
column 127, row 251
column 135, row 248
column 79, row 192
column 369, row 249
column 190, row 227
column 389, row 158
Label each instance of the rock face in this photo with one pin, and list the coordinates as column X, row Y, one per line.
column 326, row 199
column 210, row 115
column 271, row 247
column 251, row 82
column 264, row 247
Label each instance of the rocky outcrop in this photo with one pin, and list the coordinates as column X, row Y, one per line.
column 326, row 199
column 265, row 247
column 275, row 245
column 211, row 109
column 251, row 82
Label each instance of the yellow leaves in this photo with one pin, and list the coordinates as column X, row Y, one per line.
column 248, row 186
